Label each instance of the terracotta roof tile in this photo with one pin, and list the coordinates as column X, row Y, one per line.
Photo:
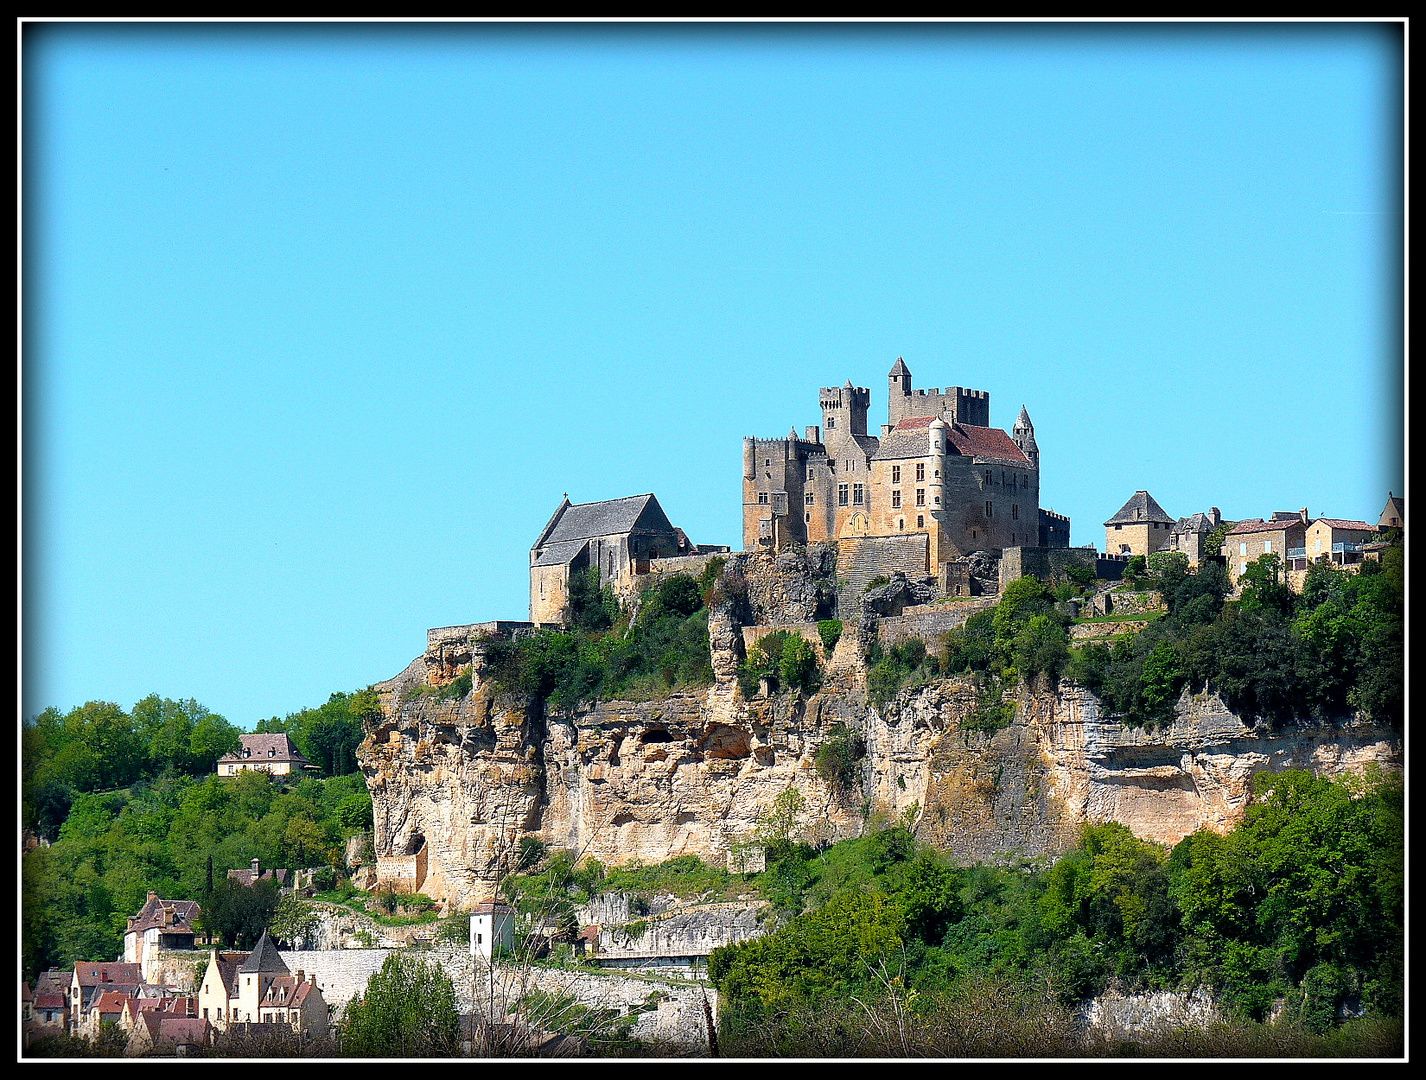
column 150, row 916
column 1257, row 525
column 99, row 974
column 1339, row 523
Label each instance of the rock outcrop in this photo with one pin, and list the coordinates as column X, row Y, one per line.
column 458, row 782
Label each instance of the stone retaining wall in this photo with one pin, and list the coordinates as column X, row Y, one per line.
column 930, row 622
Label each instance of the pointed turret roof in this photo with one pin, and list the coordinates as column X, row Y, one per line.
column 1140, row 508
column 899, row 368
column 264, row 958
column 1023, row 420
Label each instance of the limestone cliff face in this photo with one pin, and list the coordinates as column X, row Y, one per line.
column 462, row 781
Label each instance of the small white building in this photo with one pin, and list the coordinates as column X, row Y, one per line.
column 491, row 926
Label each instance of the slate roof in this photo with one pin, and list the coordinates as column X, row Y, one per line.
column 1140, row 509
column 1194, row 523
column 259, row 745
column 1395, row 508
column 247, row 877
column 228, row 969
column 263, row 958
column 1257, row 525
column 151, row 916
column 899, row 368
column 582, row 521
column 1338, row 523
column 561, row 553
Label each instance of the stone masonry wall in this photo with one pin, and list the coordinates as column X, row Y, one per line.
column 930, row 623
column 861, row 558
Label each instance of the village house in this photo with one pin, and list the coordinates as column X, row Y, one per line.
column 256, row 988
column 90, row 979
column 1188, row 535
column 1340, row 542
column 160, row 924
column 217, row 992
column 1393, row 515
column 492, row 927
column 48, row 1010
column 1141, row 527
column 270, row 753
column 1250, row 540
column 164, row 1034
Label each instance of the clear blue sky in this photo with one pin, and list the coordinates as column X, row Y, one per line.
column 321, row 321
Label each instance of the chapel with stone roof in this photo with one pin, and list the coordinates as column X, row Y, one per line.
column 937, row 469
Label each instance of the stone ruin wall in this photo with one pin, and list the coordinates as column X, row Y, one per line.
column 693, row 773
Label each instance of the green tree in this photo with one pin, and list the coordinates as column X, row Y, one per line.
column 1263, row 587
column 798, row 665
column 408, row 1010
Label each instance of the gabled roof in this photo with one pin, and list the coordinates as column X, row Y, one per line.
column 1140, row 509
column 285, row 992
column 258, row 746
column 109, row 1001
column 1257, row 525
column 54, row 981
column 1194, row 523
column 263, row 958
column 101, row 974
column 988, row 443
column 561, row 553
column 583, row 521
column 151, row 915
column 228, row 967
column 1339, row 523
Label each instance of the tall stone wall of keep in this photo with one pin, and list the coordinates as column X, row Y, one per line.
column 861, row 558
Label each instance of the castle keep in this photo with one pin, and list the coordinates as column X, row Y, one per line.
column 937, row 469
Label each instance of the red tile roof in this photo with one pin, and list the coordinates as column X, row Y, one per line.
column 150, row 916
column 99, row 974
column 985, row 442
column 1257, row 525
column 1338, row 523
column 110, row 1001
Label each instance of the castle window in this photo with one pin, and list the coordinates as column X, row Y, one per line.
column 841, row 494
column 896, row 498
column 810, row 499
column 762, row 497
column 767, row 461
column 989, row 478
column 920, row 496
column 920, row 471
column 831, row 422
column 938, row 500
column 896, row 474
column 901, row 523
column 1015, row 513
column 858, row 495
column 807, row 517
column 920, row 521
column 1118, row 527
column 989, row 509
column 811, row 473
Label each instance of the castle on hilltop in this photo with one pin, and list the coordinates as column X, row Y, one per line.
column 937, row 469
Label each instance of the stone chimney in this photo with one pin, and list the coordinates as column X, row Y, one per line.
column 1214, row 516
column 255, row 871
column 1303, row 515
